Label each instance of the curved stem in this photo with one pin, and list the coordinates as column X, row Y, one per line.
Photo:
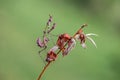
column 43, row 70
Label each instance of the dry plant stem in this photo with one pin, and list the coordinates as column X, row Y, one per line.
column 43, row 70
column 57, row 54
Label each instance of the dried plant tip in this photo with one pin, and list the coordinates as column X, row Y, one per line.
column 43, row 43
column 83, row 25
column 49, row 20
column 53, row 27
column 40, row 43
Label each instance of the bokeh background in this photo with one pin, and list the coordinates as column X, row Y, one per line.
column 22, row 22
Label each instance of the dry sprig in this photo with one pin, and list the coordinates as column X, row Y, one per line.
column 64, row 44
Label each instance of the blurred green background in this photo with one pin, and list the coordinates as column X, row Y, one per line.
column 22, row 21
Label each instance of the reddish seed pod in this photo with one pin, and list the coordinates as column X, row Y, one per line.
column 51, row 56
column 82, row 38
column 62, row 39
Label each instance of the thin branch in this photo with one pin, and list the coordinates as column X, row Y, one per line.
column 43, row 70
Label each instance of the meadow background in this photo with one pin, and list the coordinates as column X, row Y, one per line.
column 22, row 22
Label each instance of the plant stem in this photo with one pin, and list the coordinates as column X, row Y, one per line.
column 43, row 70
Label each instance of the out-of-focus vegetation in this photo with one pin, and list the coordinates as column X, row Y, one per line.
column 22, row 21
